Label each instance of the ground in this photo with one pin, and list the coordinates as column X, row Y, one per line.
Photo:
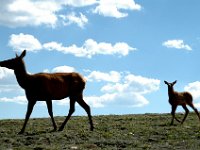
column 146, row 131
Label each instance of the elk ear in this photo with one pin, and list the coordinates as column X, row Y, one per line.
column 23, row 54
column 16, row 55
column 166, row 82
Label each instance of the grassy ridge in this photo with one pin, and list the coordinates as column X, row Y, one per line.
column 148, row 131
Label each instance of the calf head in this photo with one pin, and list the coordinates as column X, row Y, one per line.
column 170, row 85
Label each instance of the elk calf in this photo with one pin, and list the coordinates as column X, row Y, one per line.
column 179, row 98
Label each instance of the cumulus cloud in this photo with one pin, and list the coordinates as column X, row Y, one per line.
column 112, row 76
column 72, row 18
column 9, row 88
column 194, row 88
column 100, row 101
column 178, row 44
column 8, row 83
column 79, row 3
column 116, row 8
column 63, row 69
column 20, row 13
column 20, row 42
column 129, row 91
column 5, row 73
column 17, row 13
column 17, row 99
column 90, row 47
column 7, row 77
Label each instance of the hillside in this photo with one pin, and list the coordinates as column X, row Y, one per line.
column 148, row 131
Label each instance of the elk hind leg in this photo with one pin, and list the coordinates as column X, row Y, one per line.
column 71, row 111
column 86, row 107
column 49, row 107
column 186, row 113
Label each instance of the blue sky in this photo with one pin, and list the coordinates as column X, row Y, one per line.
column 125, row 50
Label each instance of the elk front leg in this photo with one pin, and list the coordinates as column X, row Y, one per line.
column 28, row 113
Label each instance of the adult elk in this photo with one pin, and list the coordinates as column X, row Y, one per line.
column 47, row 87
column 179, row 98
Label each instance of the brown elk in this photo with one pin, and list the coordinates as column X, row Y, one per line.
column 48, row 87
column 179, row 98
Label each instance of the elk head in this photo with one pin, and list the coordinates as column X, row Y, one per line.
column 13, row 63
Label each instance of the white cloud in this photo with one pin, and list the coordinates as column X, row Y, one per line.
column 115, row 8
column 132, row 83
column 112, row 76
column 72, row 18
column 20, row 42
column 8, row 83
column 90, row 48
column 194, row 88
column 21, row 13
column 63, row 69
column 16, row 13
column 129, row 91
column 6, row 73
column 60, row 69
column 73, row 49
column 9, row 88
column 17, row 99
column 100, row 101
column 178, row 44
column 141, row 84
column 79, row 3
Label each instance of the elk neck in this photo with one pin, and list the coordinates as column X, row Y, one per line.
column 21, row 75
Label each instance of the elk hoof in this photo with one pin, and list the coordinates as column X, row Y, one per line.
column 60, row 129
column 21, row 132
column 92, row 128
column 54, row 130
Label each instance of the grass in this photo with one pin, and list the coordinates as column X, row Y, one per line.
column 142, row 132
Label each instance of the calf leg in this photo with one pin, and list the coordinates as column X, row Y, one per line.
column 186, row 113
column 49, row 106
column 173, row 114
column 196, row 111
column 28, row 113
column 71, row 111
column 87, row 109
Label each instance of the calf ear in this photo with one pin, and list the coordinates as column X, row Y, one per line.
column 23, row 54
column 174, row 82
column 166, row 82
